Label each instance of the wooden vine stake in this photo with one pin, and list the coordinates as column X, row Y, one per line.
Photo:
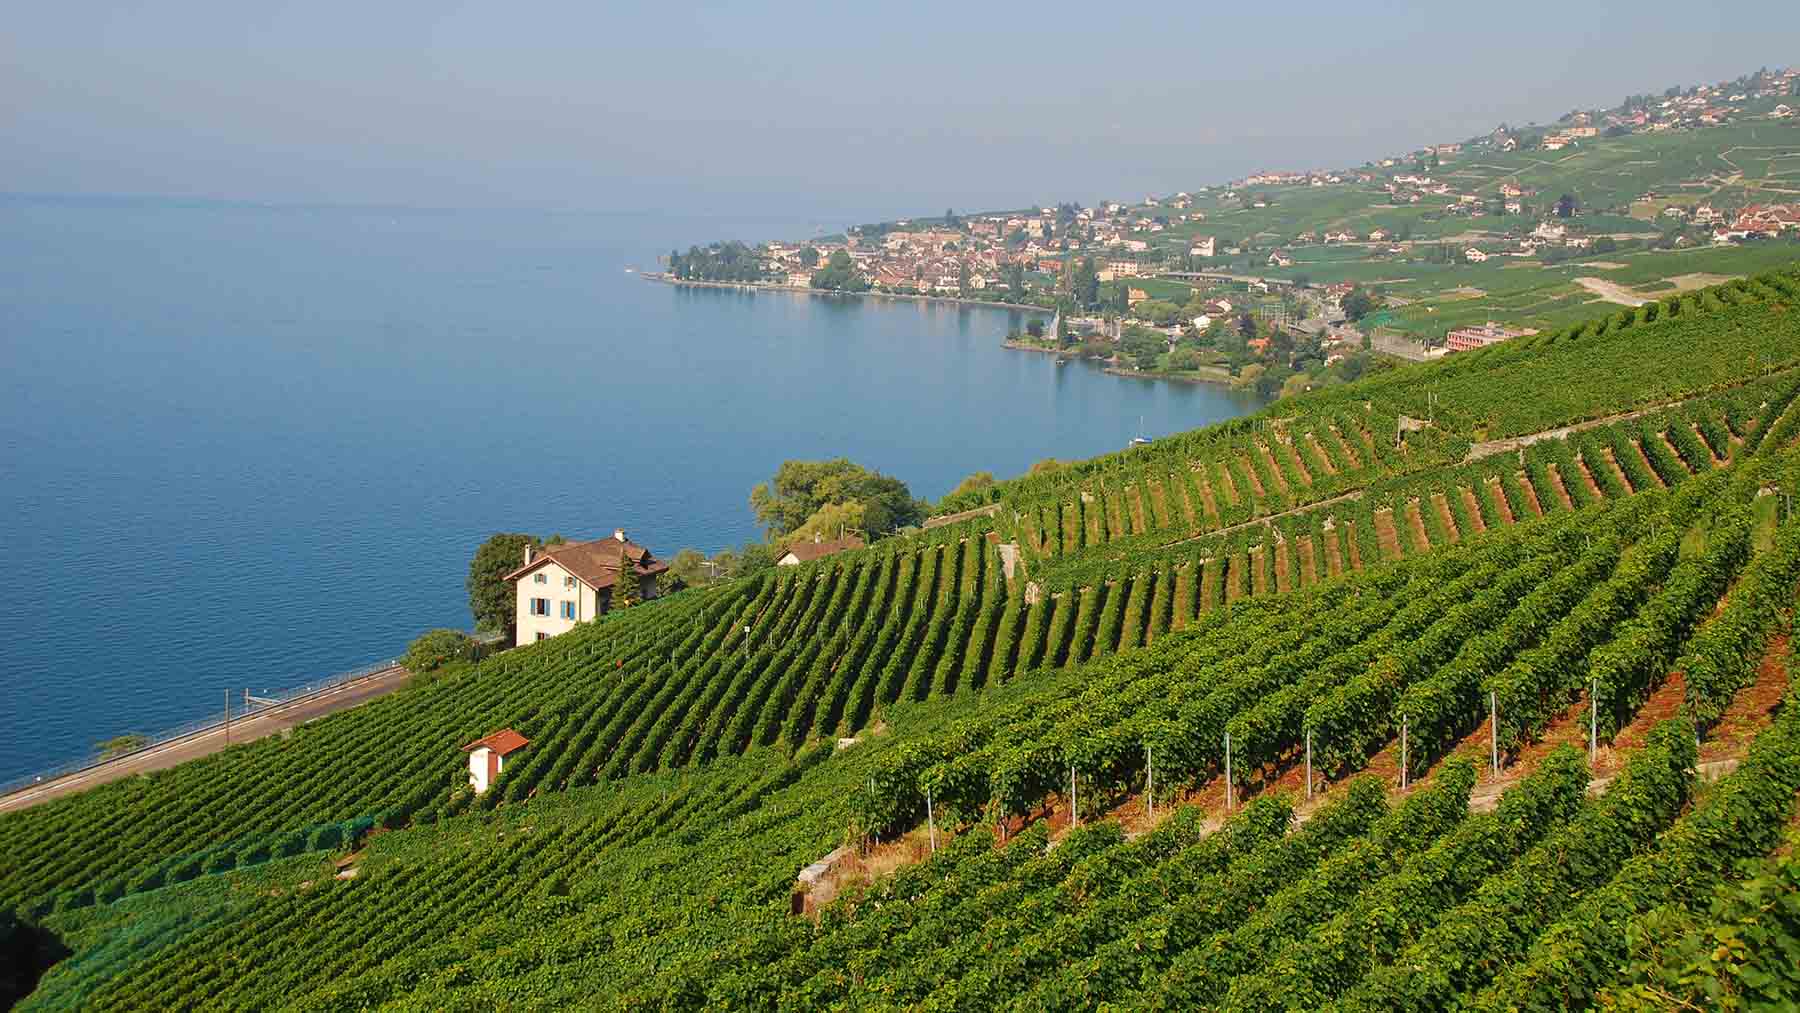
column 1494, row 730
column 1403, row 765
column 931, row 821
column 1593, row 721
column 1149, row 785
column 1227, row 771
column 1309, row 764
column 1074, row 810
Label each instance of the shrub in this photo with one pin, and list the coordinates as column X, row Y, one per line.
column 435, row 649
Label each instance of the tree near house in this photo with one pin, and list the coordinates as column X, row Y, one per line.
column 808, row 257
column 1015, row 278
column 1084, row 283
column 829, row 523
column 972, row 486
column 434, row 649
column 1566, row 205
column 491, row 595
column 1358, row 304
column 840, row 275
column 801, row 488
column 625, row 590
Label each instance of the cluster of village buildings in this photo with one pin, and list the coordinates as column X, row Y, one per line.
column 987, row 256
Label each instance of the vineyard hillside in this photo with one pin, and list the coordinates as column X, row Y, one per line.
column 1465, row 685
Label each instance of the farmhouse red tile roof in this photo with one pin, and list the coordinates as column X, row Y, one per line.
column 806, row 552
column 505, row 742
column 595, row 562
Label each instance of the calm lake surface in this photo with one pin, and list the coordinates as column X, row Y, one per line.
column 250, row 447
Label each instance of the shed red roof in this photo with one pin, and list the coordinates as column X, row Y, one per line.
column 505, row 742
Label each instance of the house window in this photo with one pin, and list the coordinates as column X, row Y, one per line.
column 543, row 636
column 540, row 606
column 568, row 610
column 568, row 583
column 541, row 578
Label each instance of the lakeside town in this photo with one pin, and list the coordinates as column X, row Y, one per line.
column 1289, row 280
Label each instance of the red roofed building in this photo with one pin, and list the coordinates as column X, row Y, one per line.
column 487, row 756
column 806, row 552
column 572, row 582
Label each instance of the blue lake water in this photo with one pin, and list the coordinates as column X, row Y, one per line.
column 248, row 447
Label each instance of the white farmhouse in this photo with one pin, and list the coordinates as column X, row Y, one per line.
column 487, row 756
column 572, row 582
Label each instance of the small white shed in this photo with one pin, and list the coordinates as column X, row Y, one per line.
column 487, row 756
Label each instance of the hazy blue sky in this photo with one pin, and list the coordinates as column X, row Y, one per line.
column 841, row 109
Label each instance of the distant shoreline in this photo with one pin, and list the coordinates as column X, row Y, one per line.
column 1222, row 380
column 745, row 286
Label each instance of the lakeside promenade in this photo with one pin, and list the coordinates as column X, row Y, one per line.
column 212, row 739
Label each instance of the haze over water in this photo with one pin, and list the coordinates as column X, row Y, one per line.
column 249, row 447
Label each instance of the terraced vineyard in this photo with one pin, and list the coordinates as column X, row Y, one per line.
column 1320, row 601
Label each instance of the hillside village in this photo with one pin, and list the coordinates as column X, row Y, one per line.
column 1229, row 268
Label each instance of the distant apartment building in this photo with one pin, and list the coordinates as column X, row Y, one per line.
column 1467, row 339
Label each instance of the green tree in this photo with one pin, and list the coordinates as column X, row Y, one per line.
column 434, row 649
column 1183, row 359
column 1035, row 328
column 1158, row 312
column 625, row 590
column 800, row 488
column 809, row 257
column 1358, row 304
column 1084, row 284
column 829, row 523
column 974, row 484
column 119, row 745
column 840, row 275
column 689, row 567
column 1143, row 346
column 755, row 558
column 491, row 596
column 1015, row 278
